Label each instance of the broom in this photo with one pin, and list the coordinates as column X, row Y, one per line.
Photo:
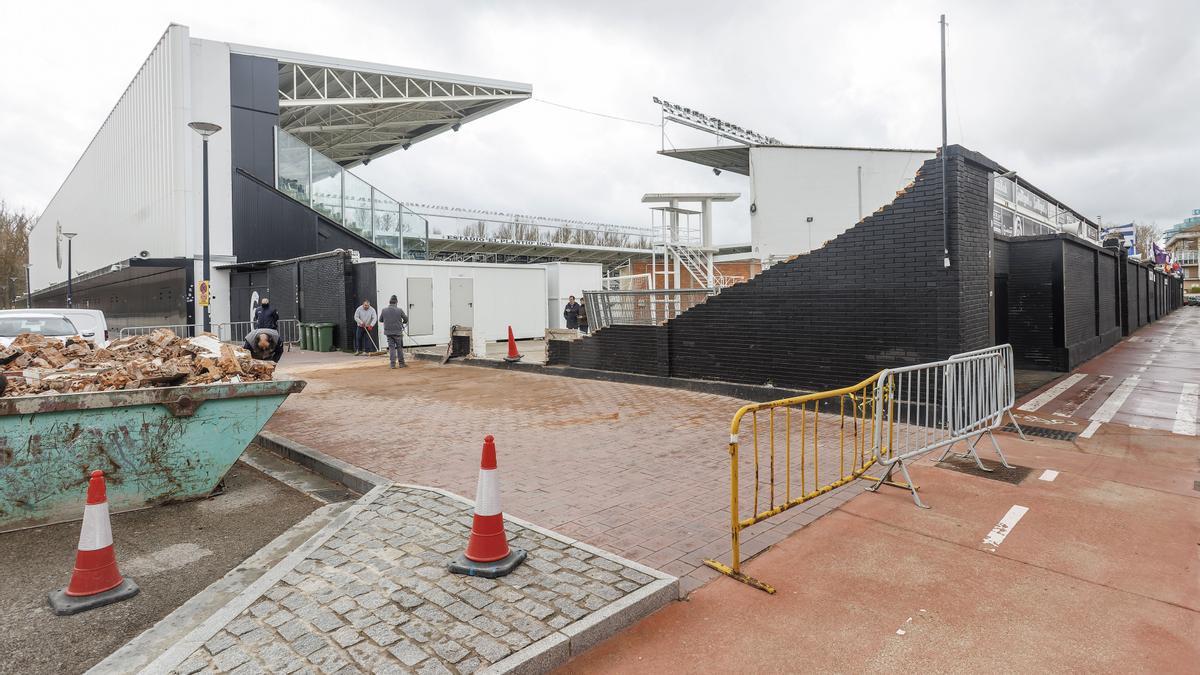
column 381, row 352
column 378, row 351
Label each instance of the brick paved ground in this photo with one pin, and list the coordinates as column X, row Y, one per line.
column 640, row 471
column 376, row 597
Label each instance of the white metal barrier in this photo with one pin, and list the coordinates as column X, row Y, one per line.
column 935, row 405
column 229, row 331
column 1007, row 392
column 180, row 329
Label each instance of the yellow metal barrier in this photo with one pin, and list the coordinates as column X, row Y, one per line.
column 849, row 414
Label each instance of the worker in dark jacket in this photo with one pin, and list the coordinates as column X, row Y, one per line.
column 393, row 319
column 571, row 312
column 264, row 344
column 266, row 316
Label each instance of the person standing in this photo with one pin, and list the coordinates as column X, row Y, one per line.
column 266, row 316
column 583, row 319
column 571, row 312
column 365, row 317
column 393, row 319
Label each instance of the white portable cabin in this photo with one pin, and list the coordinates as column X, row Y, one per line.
column 564, row 279
column 487, row 297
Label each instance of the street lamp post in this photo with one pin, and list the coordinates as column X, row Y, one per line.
column 28, row 286
column 70, row 269
column 206, row 129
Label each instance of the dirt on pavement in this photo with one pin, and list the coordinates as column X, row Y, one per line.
column 171, row 552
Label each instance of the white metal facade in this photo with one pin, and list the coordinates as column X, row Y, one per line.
column 804, row 197
column 137, row 187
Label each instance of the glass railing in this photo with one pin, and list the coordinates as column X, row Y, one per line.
column 314, row 180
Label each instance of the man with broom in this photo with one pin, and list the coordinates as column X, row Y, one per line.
column 365, row 319
column 393, row 319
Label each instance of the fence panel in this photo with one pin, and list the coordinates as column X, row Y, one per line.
column 887, row 419
column 795, row 442
column 935, row 405
column 640, row 308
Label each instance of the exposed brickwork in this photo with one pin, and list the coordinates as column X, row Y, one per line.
column 878, row 295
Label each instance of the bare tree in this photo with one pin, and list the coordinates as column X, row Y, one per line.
column 14, row 252
column 1144, row 235
column 477, row 229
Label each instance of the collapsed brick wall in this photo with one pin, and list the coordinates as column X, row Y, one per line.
column 876, row 296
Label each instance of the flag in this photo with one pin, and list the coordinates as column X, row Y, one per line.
column 1160, row 256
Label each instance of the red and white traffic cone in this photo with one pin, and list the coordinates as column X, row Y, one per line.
column 488, row 553
column 513, row 354
column 95, row 581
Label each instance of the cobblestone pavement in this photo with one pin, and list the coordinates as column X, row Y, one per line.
column 637, row 470
column 375, row 597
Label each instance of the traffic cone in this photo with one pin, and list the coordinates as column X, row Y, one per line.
column 488, row 554
column 513, row 354
column 95, row 581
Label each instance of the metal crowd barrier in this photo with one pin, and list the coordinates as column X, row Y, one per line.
column 229, row 331
column 640, row 308
column 935, row 405
column 793, row 431
column 887, row 419
column 180, row 329
column 1007, row 384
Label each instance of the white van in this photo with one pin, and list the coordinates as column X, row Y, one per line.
column 90, row 323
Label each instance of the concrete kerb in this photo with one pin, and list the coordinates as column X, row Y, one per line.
column 144, row 648
column 541, row 656
column 593, row 628
column 748, row 392
column 205, row 631
column 358, row 479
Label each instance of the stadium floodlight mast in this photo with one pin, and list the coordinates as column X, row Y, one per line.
column 715, row 125
column 206, row 129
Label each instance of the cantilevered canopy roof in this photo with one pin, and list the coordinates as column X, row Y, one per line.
column 353, row 111
column 735, row 158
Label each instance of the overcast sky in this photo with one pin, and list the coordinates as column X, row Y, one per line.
column 1096, row 102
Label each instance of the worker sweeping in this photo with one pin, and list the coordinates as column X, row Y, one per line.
column 393, row 319
column 366, row 318
column 264, row 344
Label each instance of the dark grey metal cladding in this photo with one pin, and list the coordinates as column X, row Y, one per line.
column 268, row 225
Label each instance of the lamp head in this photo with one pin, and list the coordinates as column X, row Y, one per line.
column 205, row 129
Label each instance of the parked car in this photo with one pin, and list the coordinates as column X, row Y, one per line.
column 40, row 323
column 90, row 323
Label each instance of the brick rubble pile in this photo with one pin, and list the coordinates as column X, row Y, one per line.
column 35, row 364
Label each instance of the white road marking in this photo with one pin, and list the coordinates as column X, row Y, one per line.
column 1185, row 413
column 1141, row 369
column 996, row 537
column 1111, row 406
column 1135, row 338
column 1048, row 475
column 1052, row 393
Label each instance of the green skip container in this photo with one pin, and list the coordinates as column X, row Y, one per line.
column 155, row 446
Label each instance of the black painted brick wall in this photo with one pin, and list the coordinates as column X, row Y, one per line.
column 876, row 296
column 1033, row 314
column 630, row 349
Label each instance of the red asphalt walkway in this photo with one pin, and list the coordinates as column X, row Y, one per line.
column 1096, row 569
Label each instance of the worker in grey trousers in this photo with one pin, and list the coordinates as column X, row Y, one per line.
column 393, row 319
